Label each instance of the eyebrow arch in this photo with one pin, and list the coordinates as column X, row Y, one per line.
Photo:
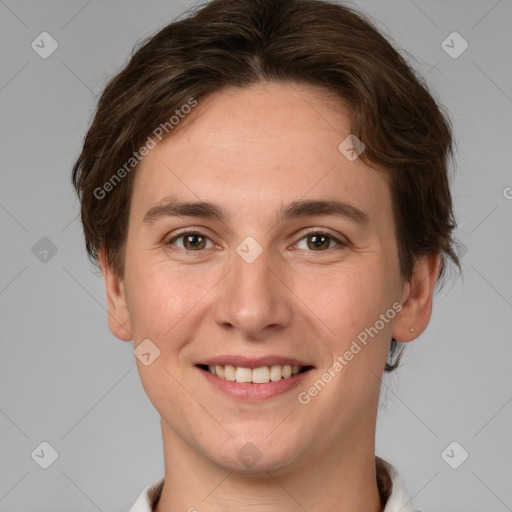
column 296, row 209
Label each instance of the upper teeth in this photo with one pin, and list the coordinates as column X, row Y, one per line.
column 256, row 375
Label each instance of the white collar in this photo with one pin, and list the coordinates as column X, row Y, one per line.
column 398, row 500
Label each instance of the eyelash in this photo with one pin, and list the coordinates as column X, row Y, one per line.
column 340, row 243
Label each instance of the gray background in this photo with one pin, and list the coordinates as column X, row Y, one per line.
column 66, row 380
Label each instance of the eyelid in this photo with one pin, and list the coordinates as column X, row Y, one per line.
column 340, row 240
column 186, row 231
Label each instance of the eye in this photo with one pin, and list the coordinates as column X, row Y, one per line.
column 192, row 240
column 316, row 241
column 320, row 241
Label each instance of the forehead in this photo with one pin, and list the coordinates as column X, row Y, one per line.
column 256, row 146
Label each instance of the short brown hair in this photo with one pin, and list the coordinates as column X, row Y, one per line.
column 242, row 42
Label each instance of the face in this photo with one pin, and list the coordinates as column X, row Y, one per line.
column 299, row 261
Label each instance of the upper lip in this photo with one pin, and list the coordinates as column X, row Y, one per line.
column 252, row 362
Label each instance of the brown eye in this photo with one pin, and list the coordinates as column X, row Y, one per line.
column 192, row 241
column 319, row 241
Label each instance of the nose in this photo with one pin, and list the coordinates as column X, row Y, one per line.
column 254, row 298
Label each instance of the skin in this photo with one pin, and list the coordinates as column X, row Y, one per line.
column 252, row 150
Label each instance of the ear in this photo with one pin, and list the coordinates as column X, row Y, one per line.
column 417, row 299
column 117, row 309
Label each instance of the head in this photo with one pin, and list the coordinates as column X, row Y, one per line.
column 252, row 107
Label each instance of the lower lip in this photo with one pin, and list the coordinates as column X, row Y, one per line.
column 250, row 392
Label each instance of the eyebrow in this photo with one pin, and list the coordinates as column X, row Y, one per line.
column 296, row 209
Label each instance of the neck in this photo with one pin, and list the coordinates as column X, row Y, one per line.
column 341, row 479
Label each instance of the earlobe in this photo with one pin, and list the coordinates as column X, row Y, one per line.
column 416, row 309
column 117, row 308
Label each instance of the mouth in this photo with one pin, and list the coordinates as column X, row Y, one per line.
column 254, row 379
column 259, row 375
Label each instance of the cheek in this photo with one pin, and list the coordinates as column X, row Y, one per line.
column 156, row 298
column 166, row 301
column 346, row 298
column 158, row 301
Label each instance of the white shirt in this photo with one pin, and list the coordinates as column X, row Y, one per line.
column 398, row 500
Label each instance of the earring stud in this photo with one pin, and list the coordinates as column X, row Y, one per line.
column 411, row 329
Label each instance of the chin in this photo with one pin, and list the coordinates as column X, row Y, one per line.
column 258, row 454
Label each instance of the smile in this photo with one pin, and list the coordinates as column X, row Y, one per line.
column 253, row 379
column 262, row 375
